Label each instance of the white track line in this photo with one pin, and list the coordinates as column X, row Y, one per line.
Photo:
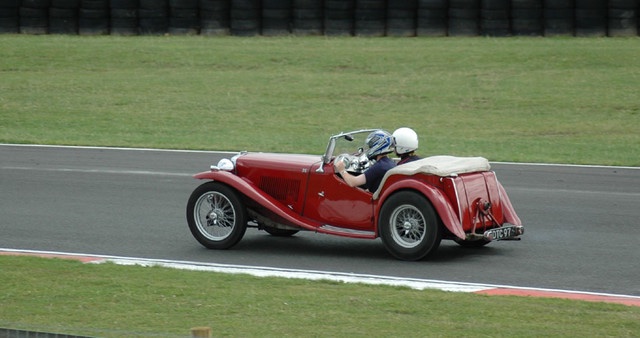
column 235, row 152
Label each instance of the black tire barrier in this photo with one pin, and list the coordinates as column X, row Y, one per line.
column 338, row 17
column 214, row 17
column 369, row 18
column 153, row 17
column 63, row 21
column 526, row 17
column 398, row 18
column 183, row 17
column 558, row 18
column 401, row 18
column 591, row 17
column 276, row 17
column 464, row 17
column 307, row 17
column 94, row 17
column 9, row 17
column 432, row 18
column 495, row 18
column 245, row 19
column 623, row 18
column 124, row 17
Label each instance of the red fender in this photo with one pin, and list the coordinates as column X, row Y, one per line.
column 509, row 212
column 437, row 198
column 252, row 192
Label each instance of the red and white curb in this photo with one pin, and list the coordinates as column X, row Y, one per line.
column 414, row 283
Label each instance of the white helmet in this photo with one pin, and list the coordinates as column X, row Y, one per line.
column 406, row 140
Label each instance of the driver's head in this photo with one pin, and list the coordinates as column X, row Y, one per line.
column 406, row 140
column 379, row 142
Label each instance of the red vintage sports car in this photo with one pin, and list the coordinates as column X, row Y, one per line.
column 416, row 206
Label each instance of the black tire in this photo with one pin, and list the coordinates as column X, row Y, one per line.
column 216, row 216
column 280, row 232
column 69, row 4
column 34, row 20
column 9, row 25
column 623, row 22
column 275, row 20
column 591, row 18
column 433, row 4
column 337, row 27
column 94, row 4
column 214, row 22
column 184, row 4
column 431, row 22
column 591, row 22
column 36, row 3
column 464, row 21
column 307, row 21
column 369, row 18
column 154, row 4
column 558, row 4
column 123, row 4
column 153, row 21
column 214, row 5
column 245, row 27
column 409, row 226
column 526, row 21
column 338, row 17
column 183, row 21
column 558, row 21
column 495, row 5
column 93, row 21
column 63, row 21
column 401, row 21
column 494, row 19
column 252, row 5
column 495, row 27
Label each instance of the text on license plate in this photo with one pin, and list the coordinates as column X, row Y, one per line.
column 500, row 233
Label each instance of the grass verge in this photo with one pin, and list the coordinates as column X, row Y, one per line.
column 109, row 300
column 561, row 100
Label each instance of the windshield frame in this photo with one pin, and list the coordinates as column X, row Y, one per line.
column 339, row 141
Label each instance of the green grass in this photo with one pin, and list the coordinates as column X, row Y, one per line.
column 561, row 100
column 109, row 300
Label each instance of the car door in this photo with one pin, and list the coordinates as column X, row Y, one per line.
column 331, row 201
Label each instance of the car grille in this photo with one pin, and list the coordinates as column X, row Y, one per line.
column 282, row 189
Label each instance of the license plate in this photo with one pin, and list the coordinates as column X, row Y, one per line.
column 501, row 233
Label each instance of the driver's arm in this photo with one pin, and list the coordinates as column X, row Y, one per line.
column 351, row 180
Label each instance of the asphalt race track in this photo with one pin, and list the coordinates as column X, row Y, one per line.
column 581, row 222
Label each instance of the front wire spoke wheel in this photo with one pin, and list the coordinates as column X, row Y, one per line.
column 216, row 215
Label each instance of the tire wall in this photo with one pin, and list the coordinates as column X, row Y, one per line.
column 399, row 18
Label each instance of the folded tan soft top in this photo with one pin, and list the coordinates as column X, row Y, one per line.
column 442, row 165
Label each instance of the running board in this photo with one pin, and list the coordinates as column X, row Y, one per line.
column 332, row 230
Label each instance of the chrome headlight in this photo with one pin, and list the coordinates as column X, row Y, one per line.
column 227, row 164
column 224, row 164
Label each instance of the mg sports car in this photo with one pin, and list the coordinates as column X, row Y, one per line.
column 417, row 204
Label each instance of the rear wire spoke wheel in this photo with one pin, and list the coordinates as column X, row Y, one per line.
column 216, row 216
column 409, row 226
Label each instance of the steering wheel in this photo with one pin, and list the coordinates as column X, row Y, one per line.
column 354, row 163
